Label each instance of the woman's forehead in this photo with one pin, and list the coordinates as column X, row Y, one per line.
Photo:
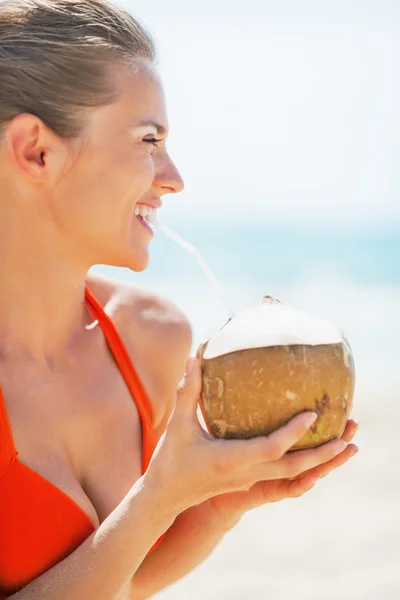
column 141, row 96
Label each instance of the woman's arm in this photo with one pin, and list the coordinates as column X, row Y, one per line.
column 106, row 562
column 191, row 539
column 197, row 531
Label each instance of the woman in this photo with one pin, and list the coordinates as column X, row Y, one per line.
column 100, row 454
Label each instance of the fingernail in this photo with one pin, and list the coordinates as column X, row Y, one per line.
column 309, row 418
column 190, row 365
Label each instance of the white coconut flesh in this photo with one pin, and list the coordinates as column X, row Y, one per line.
column 272, row 324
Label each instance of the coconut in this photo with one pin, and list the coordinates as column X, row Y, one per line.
column 268, row 364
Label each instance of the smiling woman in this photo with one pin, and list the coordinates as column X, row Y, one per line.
column 89, row 95
column 109, row 486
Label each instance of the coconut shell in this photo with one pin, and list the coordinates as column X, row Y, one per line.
column 255, row 391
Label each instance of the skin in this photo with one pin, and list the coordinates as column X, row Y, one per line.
column 65, row 206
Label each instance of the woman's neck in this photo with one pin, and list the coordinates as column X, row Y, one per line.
column 42, row 308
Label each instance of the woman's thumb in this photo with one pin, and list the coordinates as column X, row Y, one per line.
column 189, row 389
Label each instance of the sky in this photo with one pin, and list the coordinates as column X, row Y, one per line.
column 283, row 113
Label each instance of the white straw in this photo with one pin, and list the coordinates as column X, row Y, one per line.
column 201, row 261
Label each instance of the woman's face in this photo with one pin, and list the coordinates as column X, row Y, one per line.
column 121, row 165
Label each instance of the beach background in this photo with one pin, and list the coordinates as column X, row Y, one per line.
column 285, row 126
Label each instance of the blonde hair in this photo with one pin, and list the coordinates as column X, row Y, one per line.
column 55, row 57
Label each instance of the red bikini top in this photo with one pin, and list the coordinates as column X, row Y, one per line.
column 39, row 524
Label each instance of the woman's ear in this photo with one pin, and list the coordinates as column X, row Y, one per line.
column 35, row 151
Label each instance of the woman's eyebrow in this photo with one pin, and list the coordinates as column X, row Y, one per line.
column 161, row 130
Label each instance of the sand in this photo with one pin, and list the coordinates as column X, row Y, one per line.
column 340, row 541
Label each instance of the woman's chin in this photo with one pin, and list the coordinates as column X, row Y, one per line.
column 137, row 262
column 136, row 258
column 137, row 268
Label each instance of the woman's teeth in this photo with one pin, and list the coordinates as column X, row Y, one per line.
column 146, row 212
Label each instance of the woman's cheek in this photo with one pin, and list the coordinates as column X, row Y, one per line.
column 144, row 169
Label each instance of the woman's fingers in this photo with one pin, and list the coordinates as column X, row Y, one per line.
column 248, row 457
column 189, row 389
column 326, row 457
column 293, row 464
column 324, row 469
column 263, row 492
column 300, row 485
column 339, row 460
column 273, row 447
column 350, row 431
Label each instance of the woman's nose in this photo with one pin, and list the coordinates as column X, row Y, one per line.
column 168, row 177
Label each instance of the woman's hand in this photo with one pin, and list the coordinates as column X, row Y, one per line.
column 190, row 466
column 229, row 508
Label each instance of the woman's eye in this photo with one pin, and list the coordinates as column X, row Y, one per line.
column 153, row 141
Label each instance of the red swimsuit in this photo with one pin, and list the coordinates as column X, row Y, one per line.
column 39, row 524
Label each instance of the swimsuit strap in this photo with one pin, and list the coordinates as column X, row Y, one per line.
column 130, row 375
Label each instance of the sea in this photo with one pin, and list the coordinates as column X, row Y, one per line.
column 349, row 278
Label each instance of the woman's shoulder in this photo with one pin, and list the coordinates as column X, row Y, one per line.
column 156, row 334
column 127, row 303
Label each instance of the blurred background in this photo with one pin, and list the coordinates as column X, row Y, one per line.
column 285, row 126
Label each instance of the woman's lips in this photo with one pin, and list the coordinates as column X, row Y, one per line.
column 145, row 224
